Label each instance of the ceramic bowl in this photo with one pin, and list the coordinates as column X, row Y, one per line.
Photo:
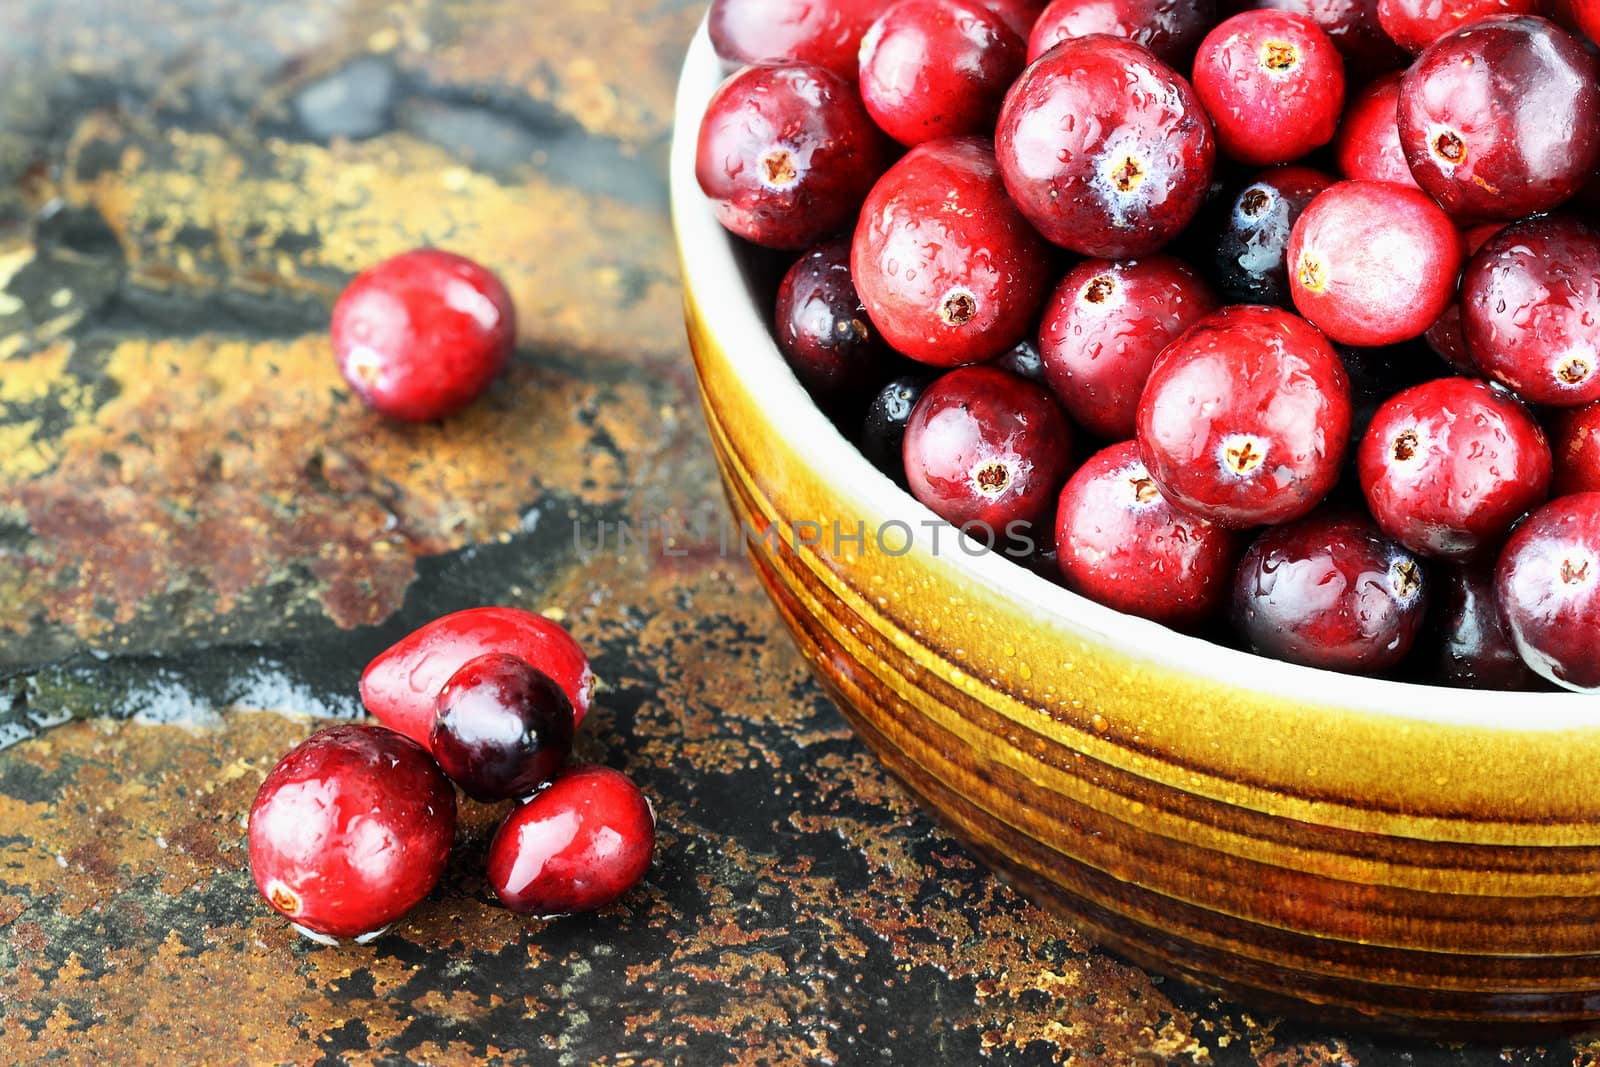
column 1400, row 854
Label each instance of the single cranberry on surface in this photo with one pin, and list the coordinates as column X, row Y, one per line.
column 825, row 33
column 1120, row 543
column 350, row 831
column 883, row 431
column 1447, row 466
column 1498, row 120
column 1103, row 328
column 422, row 335
column 1172, row 29
column 1104, row 148
column 1415, row 24
column 947, row 268
column 1367, row 147
column 578, row 845
column 1353, row 27
column 824, row 331
column 984, row 447
column 1472, row 648
column 1246, row 418
column 502, row 728
column 1273, row 83
column 1548, row 585
column 787, row 153
column 1250, row 259
column 1575, row 445
column 1330, row 591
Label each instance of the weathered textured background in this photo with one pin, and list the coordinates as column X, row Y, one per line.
column 197, row 523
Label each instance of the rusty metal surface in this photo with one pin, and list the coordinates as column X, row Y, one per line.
column 199, row 524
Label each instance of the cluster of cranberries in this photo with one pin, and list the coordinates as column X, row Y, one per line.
column 353, row 827
column 1327, row 309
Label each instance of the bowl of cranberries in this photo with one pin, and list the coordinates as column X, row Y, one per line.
column 1171, row 431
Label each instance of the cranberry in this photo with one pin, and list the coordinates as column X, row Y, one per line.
column 1020, row 15
column 1172, row 29
column 1447, row 336
column 938, row 68
column 1548, row 586
column 883, row 431
column 580, row 844
column 1497, row 120
column 1415, row 24
column 1472, row 647
column 985, row 449
column 823, row 328
column 826, row 33
column 1449, row 465
column 401, row 685
column 948, row 269
column 787, row 153
column 1586, row 16
column 1330, row 591
column 1250, row 259
column 350, row 831
column 1372, row 263
column 422, row 335
column 1529, row 304
column 1368, row 145
column 1246, row 417
column 1353, row 27
column 1103, row 329
column 1105, row 148
column 1120, row 543
column 1575, row 443
column 503, row 728
column 1273, row 83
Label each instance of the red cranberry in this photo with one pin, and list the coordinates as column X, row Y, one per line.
column 1105, row 149
column 948, row 269
column 986, row 449
column 1449, row 465
column 1250, row 260
column 1478, row 115
column 422, row 335
column 1120, row 543
column 1103, row 329
column 1548, row 585
column 580, row 844
column 350, row 831
column 1372, row 263
column 401, row 685
column 503, row 728
column 1473, row 648
column 938, row 68
column 1273, row 83
column 1246, row 417
column 1529, row 304
column 1415, row 24
column 787, row 153
column 823, row 329
column 1172, row 29
column 1353, row 27
column 1575, row 443
column 1332, row 592
column 883, row 431
column 1368, row 145
column 826, row 33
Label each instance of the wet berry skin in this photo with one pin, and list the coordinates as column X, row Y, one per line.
column 1367, row 147
column 1246, row 418
column 1250, row 260
column 1022, row 359
column 786, row 154
column 502, row 728
column 986, row 447
column 1548, row 585
column 824, row 331
column 1575, row 444
column 1273, row 84
column 578, row 845
column 1103, row 328
column 938, row 68
column 1415, row 24
column 1373, row 263
column 1353, row 27
column 1472, row 647
column 422, row 335
column 1447, row 466
column 1477, row 110
column 350, row 831
column 1105, row 149
column 1330, row 591
column 1120, row 543
column 883, row 431
column 947, row 268
column 1172, row 29
column 402, row 683
column 826, row 33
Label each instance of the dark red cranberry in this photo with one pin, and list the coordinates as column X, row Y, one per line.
column 1373, row 263
column 787, row 153
column 1103, row 329
column 1353, row 27
column 826, row 33
column 1472, row 647
column 1477, row 115
column 938, row 68
column 1105, row 148
column 503, row 728
column 947, row 268
column 1548, row 586
column 1330, row 591
column 1530, row 302
column 1447, row 336
column 1024, row 360
column 985, row 449
column 823, row 328
column 1250, row 260
column 1368, row 145
column 1449, row 465
column 1273, row 83
column 1575, row 444
column 350, row 831
column 422, row 335
column 1246, row 417
column 401, row 685
column 883, row 431
column 1415, row 24
column 580, row 844
column 1120, row 543
column 1172, row 29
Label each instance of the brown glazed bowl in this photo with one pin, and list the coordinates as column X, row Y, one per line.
column 1400, row 855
